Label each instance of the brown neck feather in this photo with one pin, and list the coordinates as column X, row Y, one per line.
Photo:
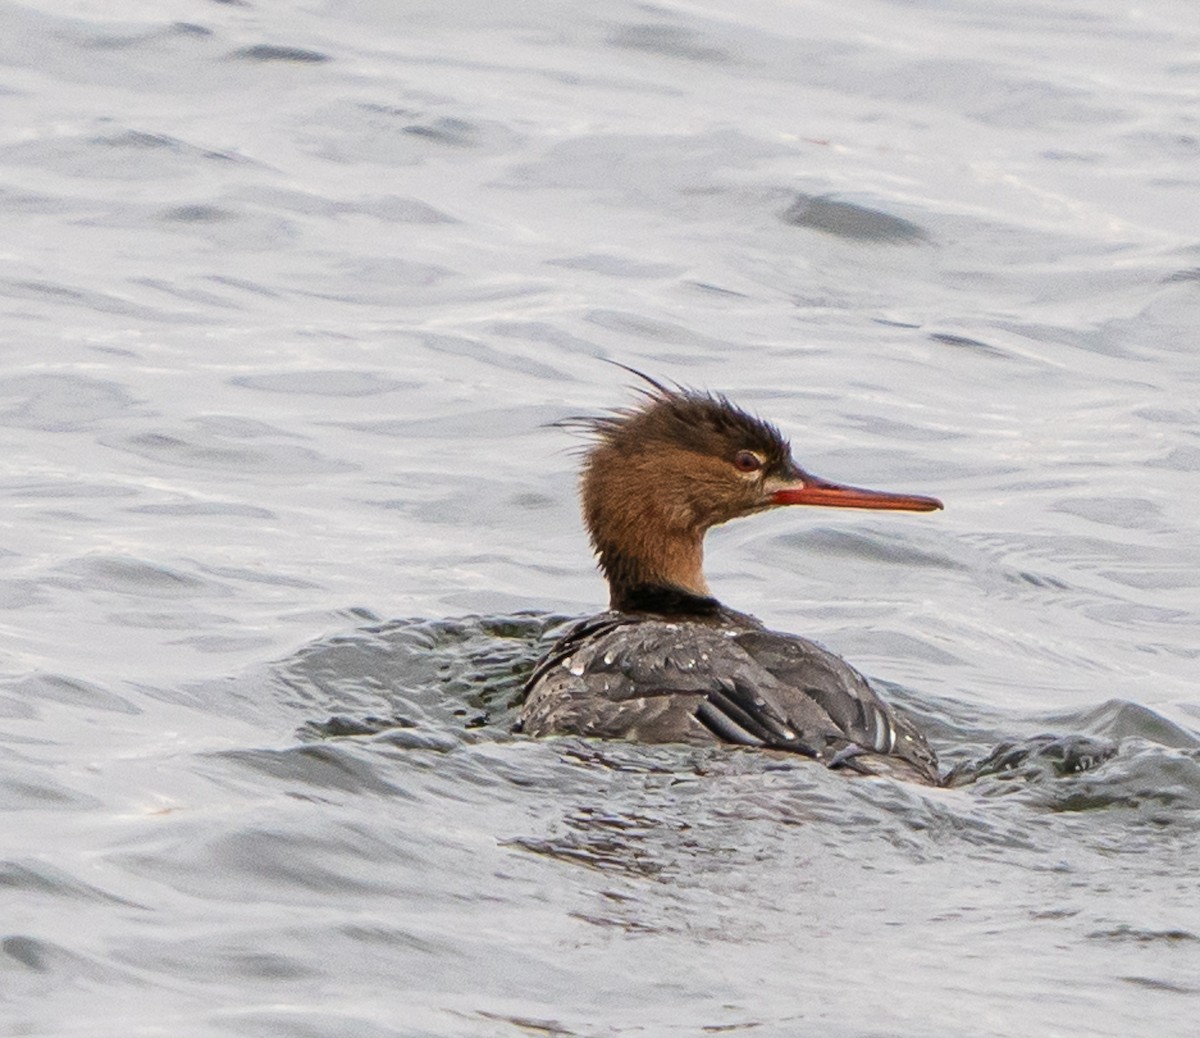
column 644, row 532
column 675, row 565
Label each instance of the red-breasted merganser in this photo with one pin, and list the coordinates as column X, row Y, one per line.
column 668, row 662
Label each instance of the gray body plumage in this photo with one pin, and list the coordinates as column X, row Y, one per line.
column 719, row 678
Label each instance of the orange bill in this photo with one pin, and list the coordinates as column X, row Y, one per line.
column 812, row 490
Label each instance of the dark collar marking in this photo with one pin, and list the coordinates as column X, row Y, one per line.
column 665, row 600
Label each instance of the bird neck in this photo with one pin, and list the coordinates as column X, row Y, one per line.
column 647, row 521
column 657, row 573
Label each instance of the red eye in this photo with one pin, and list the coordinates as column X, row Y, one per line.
column 747, row 461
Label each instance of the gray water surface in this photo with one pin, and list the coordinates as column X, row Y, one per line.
column 290, row 293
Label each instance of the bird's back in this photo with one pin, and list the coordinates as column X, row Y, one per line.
column 719, row 678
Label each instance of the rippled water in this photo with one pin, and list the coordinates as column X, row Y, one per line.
column 290, row 293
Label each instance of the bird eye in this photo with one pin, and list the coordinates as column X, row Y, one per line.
column 747, row 461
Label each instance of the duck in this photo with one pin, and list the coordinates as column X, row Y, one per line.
column 667, row 662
